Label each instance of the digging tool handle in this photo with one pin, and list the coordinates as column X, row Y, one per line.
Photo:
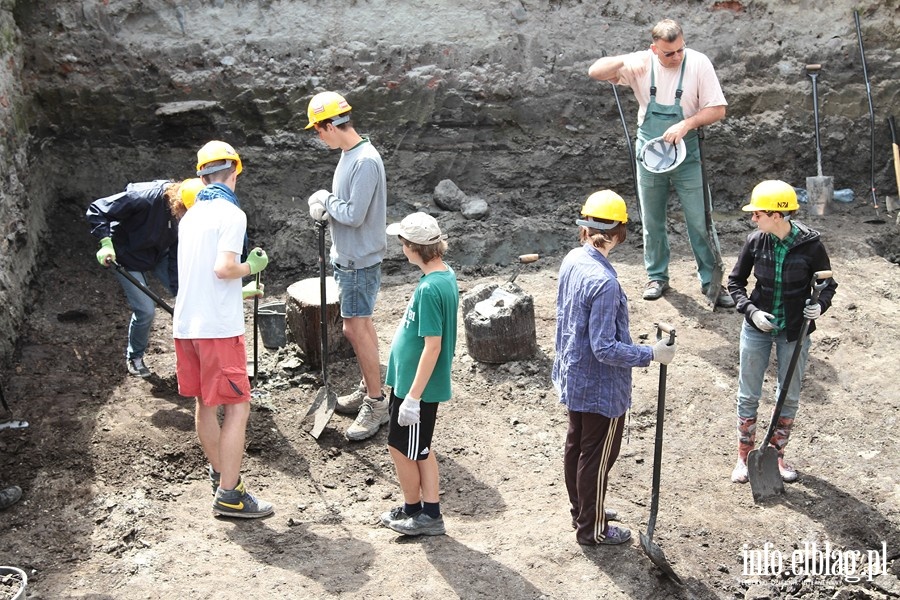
column 817, row 287
column 896, row 151
column 524, row 259
column 813, row 71
column 153, row 295
column 660, row 417
column 631, row 159
column 255, row 316
column 323, row 302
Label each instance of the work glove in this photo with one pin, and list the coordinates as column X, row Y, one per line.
column 317, row 205
column 763, row 321
column 812, row 311
column 106, row 254
column 258, row 260
column 409, row 411
column 250, row 290
column 662, row 352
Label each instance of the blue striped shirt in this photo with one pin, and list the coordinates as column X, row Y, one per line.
column 594, row 351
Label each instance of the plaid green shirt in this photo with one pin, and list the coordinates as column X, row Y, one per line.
column 781, row 249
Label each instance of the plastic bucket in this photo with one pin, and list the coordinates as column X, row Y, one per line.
column 13, row 580
column 271, row 322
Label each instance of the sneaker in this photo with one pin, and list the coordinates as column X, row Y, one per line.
column 9, row 496
column 419, row 524
column 372, row 415
column 395, row 514
column 613, row 536
column 240, row 503
column 137, row 367
column 351, row 403
column 740, row 473
column 724, row 300
column 655, row 289
column 788, row 473
column 214, row 478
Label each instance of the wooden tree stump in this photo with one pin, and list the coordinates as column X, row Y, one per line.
column 302, row 320
column 499, row 323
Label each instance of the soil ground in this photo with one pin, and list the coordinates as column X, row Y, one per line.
column 117, row 503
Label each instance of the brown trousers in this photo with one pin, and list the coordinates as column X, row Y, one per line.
column 592, row 446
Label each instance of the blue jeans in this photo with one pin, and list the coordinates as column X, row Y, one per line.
column 142, row 306
column 755, row 350
column 358, row 289
column 654, row 189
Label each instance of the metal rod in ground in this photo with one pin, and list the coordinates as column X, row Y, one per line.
column 862, row 56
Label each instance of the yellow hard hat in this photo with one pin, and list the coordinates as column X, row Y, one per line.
column 215, row 151
column 325, row 106
column 774, row 195
column 605, row 204
column 189, row 190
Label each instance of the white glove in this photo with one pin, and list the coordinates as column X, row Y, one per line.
column 763, row 321
column 812, row 311
column 409, row 411
column 663, row 352
column 317, row 205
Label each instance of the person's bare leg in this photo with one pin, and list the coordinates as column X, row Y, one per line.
column 231, row 443
column 206, row 422
column 408, row 476
column 360, row 331
column 429, row 479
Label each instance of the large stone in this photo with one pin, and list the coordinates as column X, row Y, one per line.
column 448, row 196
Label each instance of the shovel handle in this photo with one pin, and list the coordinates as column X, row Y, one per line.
column 820, row 275
column 662, row 328
column 528, row 258
column 813, row 68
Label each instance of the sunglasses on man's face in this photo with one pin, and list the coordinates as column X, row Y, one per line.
column 674, row 52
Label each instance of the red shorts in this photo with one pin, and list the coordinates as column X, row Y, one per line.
column 214, row 370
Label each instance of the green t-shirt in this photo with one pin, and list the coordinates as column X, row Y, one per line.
column 431, row 312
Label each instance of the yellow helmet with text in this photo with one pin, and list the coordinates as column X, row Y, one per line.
column 773, row 195
column 215, row 151
column 326, row 106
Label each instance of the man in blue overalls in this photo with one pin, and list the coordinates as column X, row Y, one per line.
column 678, row 91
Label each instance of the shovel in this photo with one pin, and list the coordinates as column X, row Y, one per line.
column 896, row 149
column 718, row 272
column 323, row 406
column 8, row 421
column 762, row 462
column 153, row 295
column 819, row 188
column 650, row 548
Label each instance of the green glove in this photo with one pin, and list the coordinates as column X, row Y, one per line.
column 258, row 260
column 106, row 254
column 250, row 290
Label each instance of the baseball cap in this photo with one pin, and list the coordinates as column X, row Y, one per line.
column 419, row 228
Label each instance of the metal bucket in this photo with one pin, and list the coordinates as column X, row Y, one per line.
column 13, row 580
column 271, row 321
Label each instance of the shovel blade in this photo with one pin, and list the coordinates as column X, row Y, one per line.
column 765, row 478
column 322, row 407
column 658, row 557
